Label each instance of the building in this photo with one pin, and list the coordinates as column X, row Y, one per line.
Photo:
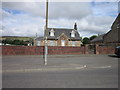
column 113, row 36
column 98, row 39
column 60, row 37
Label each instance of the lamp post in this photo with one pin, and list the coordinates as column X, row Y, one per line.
column 46, row 51
column 45, row 35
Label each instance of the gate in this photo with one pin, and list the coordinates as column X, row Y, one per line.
column 91, row 49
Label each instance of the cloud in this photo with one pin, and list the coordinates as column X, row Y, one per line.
column 23, row 25
column 119, row 7
column 28, row 18
column 32, row 8
column 87, row 26
column 4, row 14
column 105, row 8
column 95, row 24
column 69, row 10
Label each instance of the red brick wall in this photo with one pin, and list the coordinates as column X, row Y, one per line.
column 35, row 50
column 65, row 50
column 106, row 50
column 22, row 50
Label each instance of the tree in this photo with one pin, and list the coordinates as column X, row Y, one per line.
column 30, row 41
column 16, row 42
column 7, row 41
column 13, row 42
column 93, row 37
column 86, row 40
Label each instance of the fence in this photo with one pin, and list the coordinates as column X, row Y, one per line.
column 58, row 50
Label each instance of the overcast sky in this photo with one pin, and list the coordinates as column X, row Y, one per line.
column 28, row 18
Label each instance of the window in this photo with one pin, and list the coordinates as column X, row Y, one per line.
column 62, row 42
column 51, row 43
column 73, row 43
column 38, row 43
column 73, row 34
column 52, row 32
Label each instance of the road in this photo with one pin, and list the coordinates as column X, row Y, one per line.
column 68, row 71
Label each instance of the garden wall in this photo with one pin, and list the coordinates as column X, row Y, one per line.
column 106, row 50
column 58, row 50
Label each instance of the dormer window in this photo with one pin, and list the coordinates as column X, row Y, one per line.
column 73, row 34
column 52, row 32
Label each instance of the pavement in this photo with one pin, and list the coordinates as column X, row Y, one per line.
column 61, row 71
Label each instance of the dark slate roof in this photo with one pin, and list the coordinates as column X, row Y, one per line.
column 98, row 39
column 39, row 38
column 67, row 32
column 117, row 20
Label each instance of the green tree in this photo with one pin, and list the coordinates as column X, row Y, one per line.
column 7, row 41
column 86, row 40
column 30, row 41
column 93, row 37
column 81, row 38
column 22, row 42
column 16, row 42
column 13, row 42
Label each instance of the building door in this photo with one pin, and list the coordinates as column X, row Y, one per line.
column 62, row 42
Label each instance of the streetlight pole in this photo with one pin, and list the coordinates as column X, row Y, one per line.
column 46, row 15
column 45, row 35
column 46, row 51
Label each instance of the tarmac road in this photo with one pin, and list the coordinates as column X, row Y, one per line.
column 68, row 71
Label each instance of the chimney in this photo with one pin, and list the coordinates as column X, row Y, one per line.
column 75, row 26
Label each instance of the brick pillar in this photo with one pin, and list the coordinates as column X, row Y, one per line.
column 86, row 49
column 96, row 49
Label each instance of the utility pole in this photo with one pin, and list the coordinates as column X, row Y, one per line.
column 45, row 35
column 46, row 14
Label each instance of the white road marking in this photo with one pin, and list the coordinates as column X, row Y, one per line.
column 54, row 69
column 84, row 66
column 43, row 69
column 103, row 67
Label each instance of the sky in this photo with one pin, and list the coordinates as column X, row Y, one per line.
column 28, row 18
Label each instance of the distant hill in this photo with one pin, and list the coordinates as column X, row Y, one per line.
column 16, row 37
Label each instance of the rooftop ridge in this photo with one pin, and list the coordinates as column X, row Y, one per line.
column 61, row 28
